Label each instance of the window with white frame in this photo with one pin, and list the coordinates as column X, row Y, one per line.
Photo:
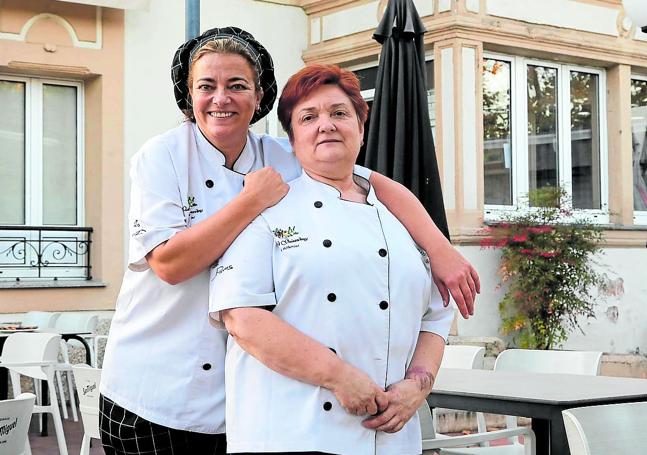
column 41, row 173
column 41, row 152
column 544, row 125
column 639, row 139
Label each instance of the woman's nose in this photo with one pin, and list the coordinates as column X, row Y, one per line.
column 220, row 97
column 326, row 124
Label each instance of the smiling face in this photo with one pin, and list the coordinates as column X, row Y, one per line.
column 224, row 99
column 326, row 133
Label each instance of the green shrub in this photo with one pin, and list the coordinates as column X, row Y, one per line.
column 547, row 262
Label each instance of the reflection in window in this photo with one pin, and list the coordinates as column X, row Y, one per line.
column 497, row 132
column 543, row 146
column 12, row 152
column 59, row 155
column 585, row 141
column 39, row 152
column 639, row 135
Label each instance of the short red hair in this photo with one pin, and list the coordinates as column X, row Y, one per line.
column 306, row 80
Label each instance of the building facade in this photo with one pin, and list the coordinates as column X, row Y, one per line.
column 522, row 94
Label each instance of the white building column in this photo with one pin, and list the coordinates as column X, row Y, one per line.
column 459, row 126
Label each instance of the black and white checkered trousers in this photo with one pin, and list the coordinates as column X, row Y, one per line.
column 125, row 433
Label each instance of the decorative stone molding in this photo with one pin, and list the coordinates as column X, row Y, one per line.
column 65, row 24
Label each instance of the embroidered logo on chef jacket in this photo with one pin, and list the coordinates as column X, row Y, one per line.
column 138, row 229
column 218, row 269
column 286, row 238
column 191, row 208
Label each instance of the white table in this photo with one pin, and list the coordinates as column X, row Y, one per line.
column 542, row 397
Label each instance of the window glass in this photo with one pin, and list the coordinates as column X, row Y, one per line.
column 585, row 141
column 543, row 145
column 367, row 78
column 497, row 131
column 12, row 152
column 639, row 135
column 59, row 155
column 431, row 97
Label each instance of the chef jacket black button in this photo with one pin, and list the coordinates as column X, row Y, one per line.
column 206, row 366
column 318, row 204
column 209, row 183
column 332, row 297
column 327, row 243
column 384, row 304
column 382, row 252
column 333, row 350
column 327, row 406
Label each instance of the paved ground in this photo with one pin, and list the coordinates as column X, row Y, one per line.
column 73, row 436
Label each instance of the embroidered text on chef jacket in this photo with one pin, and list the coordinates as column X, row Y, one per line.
column 346, row 274
column 164, row 361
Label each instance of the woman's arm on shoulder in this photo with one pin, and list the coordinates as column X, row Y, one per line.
column 194, row 249
column 450, row 270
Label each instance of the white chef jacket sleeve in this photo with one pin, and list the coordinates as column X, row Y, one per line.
column 438, row 318
column 243, row 277
column 156, row 212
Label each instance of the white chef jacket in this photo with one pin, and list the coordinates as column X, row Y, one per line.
column 164, row 361
column 346, row 274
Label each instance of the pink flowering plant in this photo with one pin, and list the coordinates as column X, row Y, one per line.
column 547, row 261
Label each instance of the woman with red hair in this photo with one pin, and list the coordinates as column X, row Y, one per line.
column 355, row 331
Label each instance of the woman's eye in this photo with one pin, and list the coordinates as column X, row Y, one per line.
column 204, row 87
column 339, row 113
column 238, row 87
column 307, row 118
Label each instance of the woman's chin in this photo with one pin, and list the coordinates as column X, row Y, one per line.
column 333, row 170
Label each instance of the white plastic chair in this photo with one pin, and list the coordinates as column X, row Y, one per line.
column 431, row 442
column 35, row 355
column 79, row 322
column 87, row 386
column 463, row 357
column 537, row 361
column 74, row 322
column 41, row 319
column 15, row 416
column 608, row 429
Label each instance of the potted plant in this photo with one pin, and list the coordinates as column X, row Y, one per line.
column 547, row 261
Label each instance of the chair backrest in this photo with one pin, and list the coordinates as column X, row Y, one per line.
column 466, row 357
column 40, row 318
column 77, row 322
column 426, row 421
column 15, row 416
column 538, row 361
column 87, row 386
column 31, row 347
column 612, row 428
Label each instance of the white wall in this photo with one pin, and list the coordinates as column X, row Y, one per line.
column 626, row 269
column 151, row 38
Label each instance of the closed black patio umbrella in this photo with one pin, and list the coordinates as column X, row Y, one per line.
column 400, row 143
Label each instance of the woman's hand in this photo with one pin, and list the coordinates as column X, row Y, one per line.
column 453, row 274
column 404, row 398
column 357, row 393
column 265, row 187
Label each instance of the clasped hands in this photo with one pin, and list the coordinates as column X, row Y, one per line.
column 388, row 410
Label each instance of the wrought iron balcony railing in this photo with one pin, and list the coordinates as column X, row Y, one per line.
column 45, row 253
